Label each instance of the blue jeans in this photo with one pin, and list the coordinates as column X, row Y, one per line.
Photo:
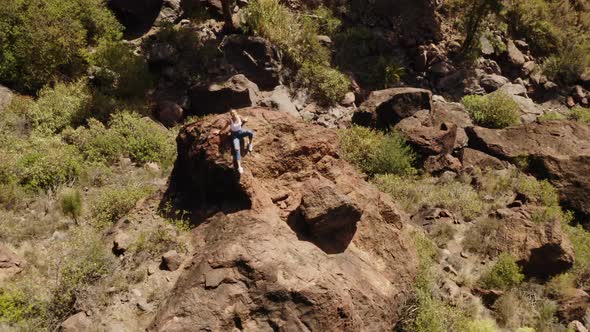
column 237, row 138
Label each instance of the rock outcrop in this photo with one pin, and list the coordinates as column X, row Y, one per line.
column 10, row 263
column 236, row 92
column 555, row 150
column 542, row 249
column 5, row 97
column 383, row 109
column 300, row 242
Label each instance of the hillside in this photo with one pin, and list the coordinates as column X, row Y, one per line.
column 416, row 166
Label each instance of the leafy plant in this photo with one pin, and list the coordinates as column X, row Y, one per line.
column 114, row 202
column 504, row 275
column 377, row 153
column 496, row 110
column 71, row 203
column 580, row 114
column 326, row 84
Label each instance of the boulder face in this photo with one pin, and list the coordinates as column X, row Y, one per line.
column 385, row 108
column 5, row 97
column 255, row 57
column 300, row 242
column 543, row 250
column 236, row 92
column 555, row 150
column 10, row 263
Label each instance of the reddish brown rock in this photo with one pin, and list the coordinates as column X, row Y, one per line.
column 76, row 323
column 257, row 265
column 385, row 108
column 236, row 92
column 171, row 261
column 428, row 136
column 555, row 150
column 573, row 306
column 169, row 113
column 10, row 263
column 542, row 249
column 474, row 158
column 441, row 163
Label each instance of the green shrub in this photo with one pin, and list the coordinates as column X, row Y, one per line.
column 120, row 72
column 325, row 20
column 143, row 140
column 377, row 153
column 327, row 85
column 96, row 142
column 41, row 40
column 496, row 110
column 551, row 116
column 18, row 305
column 416, row 193
column 540, row 191
column 504, row 275
column 569, row 63
column 59, row 107
column 46, row 164
column 71, row 203
column 114, row 202
column 580, row 114
column 531, row 20
column 580, row 239
column 154, row 242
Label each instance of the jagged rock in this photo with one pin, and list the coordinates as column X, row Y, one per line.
column 274, row 273
column 255, row 57
column 576, row 326
column 385, row 108
column 76, row 323
column 486, row 46
column 169, row 113
column 5, row 97
column 10, row 263
column 492, row 82
column 515, row 56
column 442, row 69
column 579, row 93
column 171, row 11
column 529, row 67
column 281, row 100
column 542, row 249
column 121, row 243
column 236, row 92
column 514, row 89
column 453, row 113
column 171, row 261
column 474, row 158
column 555, row 150
column 348, row 99
column 429, row 137
column 441, row 163
column 573, row 305
column 325, row 210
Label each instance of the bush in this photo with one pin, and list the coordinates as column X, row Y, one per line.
column 580, row 239
column 531, row 20
column 504, row 275
column 59, row 107
column 96, row 142
column 45, row 164
column 580, row 114
column 416, row 193
column 41, row 40
column 114, row 202
column 486, row 325
column 17, row 305
column 327, row 85
column 377, row 153
column 71, row 203
column 569, row 63
column 537, row 191
column 143, row 140
column 496, row 110
column 120, row 72
column 551, row 116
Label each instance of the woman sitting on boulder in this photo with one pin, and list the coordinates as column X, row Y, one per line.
column 237, row 132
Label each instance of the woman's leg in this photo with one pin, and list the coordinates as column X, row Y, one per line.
column 236, row 146
column 250, row 134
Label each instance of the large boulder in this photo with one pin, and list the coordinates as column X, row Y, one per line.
column 300, row 242
column 428, row 136
column 236, row 92
column 385, row 108
column 5, row 97
column 76, row 323
column 255, row 57
column 10, row 263
column 542, row 249
column 558, row 151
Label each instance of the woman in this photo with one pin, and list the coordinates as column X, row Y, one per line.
column 237, row 132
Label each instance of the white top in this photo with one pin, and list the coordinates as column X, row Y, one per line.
column 235, row 126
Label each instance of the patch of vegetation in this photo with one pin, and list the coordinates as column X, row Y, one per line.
column 531, row 20
column 363, row 52
column 18, row 305
column 42, row 40
column 481, row 237
column 114, row 202
column 526, row 309
column 536, row 191
column 496, row 110
column 416, row 193
column 504, row 275
column 580, row 114
column 376, row 153
column 484, row 325
column 442, row 233
column 568, row 63
column 155, row 242
column 71, row 203
column 551, row 116
column 296, row 36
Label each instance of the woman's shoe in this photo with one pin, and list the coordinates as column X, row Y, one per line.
column 250, row 147
column 240, row 170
